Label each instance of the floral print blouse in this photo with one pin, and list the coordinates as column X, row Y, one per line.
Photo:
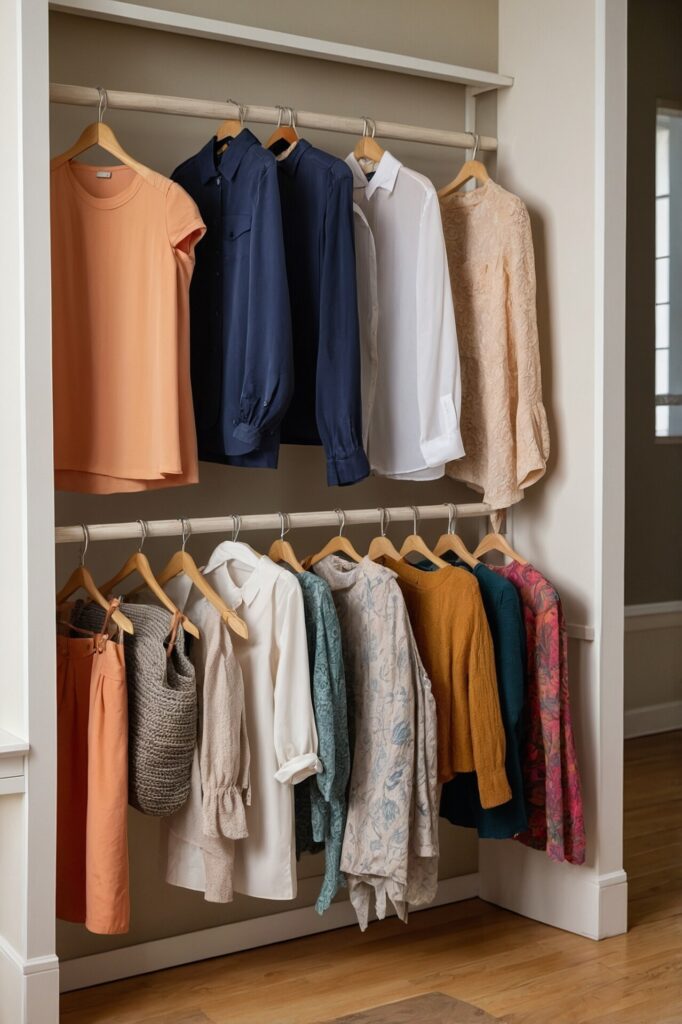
column 552, row 782
column 390, row 847
column 321, row 799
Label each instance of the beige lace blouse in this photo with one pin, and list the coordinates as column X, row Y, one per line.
column 492, row 272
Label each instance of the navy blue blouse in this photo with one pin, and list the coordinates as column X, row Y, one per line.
column 240, row 325
column 317, row 211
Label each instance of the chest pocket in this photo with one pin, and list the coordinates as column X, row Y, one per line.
column 236, row 235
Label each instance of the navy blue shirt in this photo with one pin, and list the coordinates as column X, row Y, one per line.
column 316, row 191
column 240, row 325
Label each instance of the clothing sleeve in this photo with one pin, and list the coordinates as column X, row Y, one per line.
column 338, row 395
column 532, row 431
column 331, row 704
column 368, row 315
column 268, row 376
column 487, row 731
column 295, row 735
column 224, row 755
column 183, row 222
column 438, row 375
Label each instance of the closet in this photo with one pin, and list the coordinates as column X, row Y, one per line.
column 168, row 76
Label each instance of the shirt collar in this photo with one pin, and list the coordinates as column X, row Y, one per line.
column 229, row 161
column 261, row 569
column 290, row 163
column 341, row 574
column 385, row 175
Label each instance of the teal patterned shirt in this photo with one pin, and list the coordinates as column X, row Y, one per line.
column 321, row 799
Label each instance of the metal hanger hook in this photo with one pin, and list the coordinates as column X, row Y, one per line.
column 236, row 526
column 280, row 115
column 144, row 533
column 240, row 108
column 415, row 518
column 341, row 516
column 368, row 127
column 186, row 531
column 452, row 518
column 103, row 103
column 477, row 139
column 384, row 521
column 292, row 118
column 285, row 524
column 86, row 542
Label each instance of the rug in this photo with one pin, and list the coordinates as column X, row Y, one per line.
column 434, row 1008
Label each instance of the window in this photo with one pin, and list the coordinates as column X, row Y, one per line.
column 668, row 373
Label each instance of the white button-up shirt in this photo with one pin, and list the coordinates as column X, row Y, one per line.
column 413, row 428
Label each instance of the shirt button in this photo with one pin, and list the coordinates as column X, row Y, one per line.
column 265, row 405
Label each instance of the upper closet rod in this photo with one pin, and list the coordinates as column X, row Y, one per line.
column 272, row 521
column 84, row 96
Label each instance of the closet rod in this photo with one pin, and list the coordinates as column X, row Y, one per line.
column 270, row 521
column 84, row 96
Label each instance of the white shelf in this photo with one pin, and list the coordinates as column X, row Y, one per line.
column 284, row 42
column 12, row 751
column 11, row 744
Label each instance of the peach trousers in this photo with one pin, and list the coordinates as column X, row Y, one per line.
column 92, row 784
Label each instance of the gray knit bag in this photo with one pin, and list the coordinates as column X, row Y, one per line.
column 162, row 708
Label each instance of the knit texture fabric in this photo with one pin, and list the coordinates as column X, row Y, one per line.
column 162, row 708
column 453, row 637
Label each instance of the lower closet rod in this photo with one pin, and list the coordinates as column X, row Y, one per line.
column 82, row 95
column 269, row 521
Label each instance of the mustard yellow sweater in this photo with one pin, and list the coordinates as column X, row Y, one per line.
column 453, row 637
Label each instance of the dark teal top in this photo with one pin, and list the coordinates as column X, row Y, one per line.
column 460, row 801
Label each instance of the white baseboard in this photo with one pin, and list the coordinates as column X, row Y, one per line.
column 230, row 938
column 656, row 615
column 656, row 718
column 572, row 898
column 31, row 987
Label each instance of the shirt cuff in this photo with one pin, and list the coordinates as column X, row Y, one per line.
column 493, row 787
column 445, row 448
column 248, row 434
column 298, row 769
column 347, row 469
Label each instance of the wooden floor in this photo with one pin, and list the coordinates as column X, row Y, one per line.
column 517, row 969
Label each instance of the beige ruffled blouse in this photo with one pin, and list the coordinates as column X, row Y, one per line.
column 492, row 272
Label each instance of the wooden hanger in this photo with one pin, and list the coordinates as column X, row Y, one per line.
column 182, row 562
column 381, row 545
column 414, row 544
column 337, row 545
column 100, row 134
column 470, row 169
column 284, row 133
column 138, row 562
column 451, row 541
column 281, row 550
column 367, row 148
column 82, row 577
column 495, row 541
column 230, row 127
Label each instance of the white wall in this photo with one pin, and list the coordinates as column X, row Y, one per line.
column 562, row 136
column 27, row 963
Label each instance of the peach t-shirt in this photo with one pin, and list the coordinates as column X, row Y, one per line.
column 122, row 261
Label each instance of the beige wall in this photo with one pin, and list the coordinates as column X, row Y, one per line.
column 94, row 52
column 653, row 552
column 464, row 32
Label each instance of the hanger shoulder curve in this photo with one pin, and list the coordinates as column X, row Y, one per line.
column 470, row 169
column 81, row 578
column 498, row 542
column 182, row 562
column 414, row 544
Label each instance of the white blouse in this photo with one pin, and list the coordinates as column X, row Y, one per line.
column 414, row 426
column 279, row 720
